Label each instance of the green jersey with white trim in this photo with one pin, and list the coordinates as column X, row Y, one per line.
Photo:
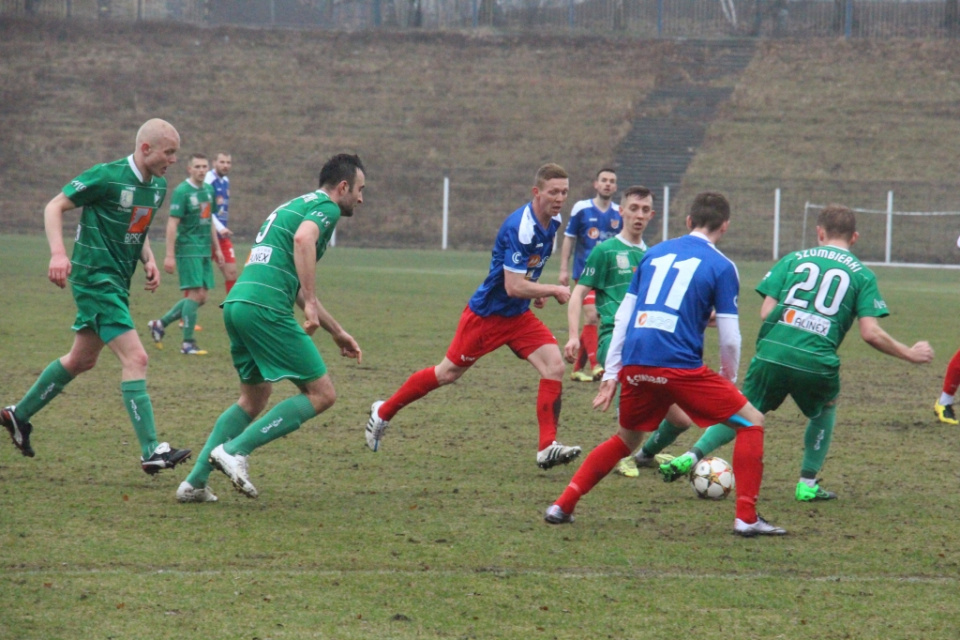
column 820, row 292
column 609, row 270
column 193, row 206
column 269, row 277
column 118, row 206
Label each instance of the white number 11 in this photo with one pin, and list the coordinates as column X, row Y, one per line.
column 663, row 264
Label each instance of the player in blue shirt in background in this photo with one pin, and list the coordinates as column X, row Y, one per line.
column 591, row 222
column 656, row 353
column 499, row 314
column 218, row 179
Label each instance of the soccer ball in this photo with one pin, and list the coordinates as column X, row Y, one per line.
column 712, row 478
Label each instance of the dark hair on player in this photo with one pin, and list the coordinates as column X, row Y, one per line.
column 637, row 191
column 837, row 221
column 606, row 170
column 340, row 167
column 709, row 210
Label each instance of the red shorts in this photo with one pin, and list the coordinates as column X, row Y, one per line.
column 477, row 336
column 646, row 394
column 590, row 298
column 227, row 248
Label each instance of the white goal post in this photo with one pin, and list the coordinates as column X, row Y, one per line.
column 909, row 238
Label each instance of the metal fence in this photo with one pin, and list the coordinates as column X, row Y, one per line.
column 634, row 18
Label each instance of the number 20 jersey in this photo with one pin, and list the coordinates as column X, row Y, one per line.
column 679, row 282
column 820, row 292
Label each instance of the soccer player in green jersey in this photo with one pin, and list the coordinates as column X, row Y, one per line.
column 190, row 238
column 608, row 272
column 266, row 342
column 810, row 300
column 119, row 200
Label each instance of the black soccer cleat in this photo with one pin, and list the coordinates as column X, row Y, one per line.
column 19, row 430
column 164, row 457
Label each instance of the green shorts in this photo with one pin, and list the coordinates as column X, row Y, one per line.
column 105, row 310
column 603, row 346
column 767, row 385
column 195, row 273
column 267, row 346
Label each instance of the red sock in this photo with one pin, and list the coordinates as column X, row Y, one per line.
column 581, row 356
column 748, row 470
column 228, row 284
column 548, row 411
column 588, row 338
column 952, row 378
column 595, row 468
column 417, row 385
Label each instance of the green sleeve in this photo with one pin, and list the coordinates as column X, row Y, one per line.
column 178, row 202
column 87, row 187
column 772, row 283
column 870, row 303
column 593, row 271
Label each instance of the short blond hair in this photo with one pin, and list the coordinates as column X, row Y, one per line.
column 550, row 171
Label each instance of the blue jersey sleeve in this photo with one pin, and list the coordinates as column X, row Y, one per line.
column 727, row 291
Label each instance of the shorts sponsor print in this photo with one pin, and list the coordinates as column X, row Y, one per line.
column 647, row 393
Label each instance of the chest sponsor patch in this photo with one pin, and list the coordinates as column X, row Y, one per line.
column 656, row 320
column 260, row 255
column 140, row 219
column 806, row 321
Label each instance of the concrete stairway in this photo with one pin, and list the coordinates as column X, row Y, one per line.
column 697, row 77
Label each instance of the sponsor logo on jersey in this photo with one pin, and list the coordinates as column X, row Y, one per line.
column 205, row 210
column 623, row 261
column 126, row 198
column 193, row 200
column 260, row 255
column 879, row 304
column 806, row 321
column 642, row 377
column 656, row 320
column 593, row 233
column 78, row 186
column 533, row 261
column 516, row 257
column 614, row 224
column 140, row 219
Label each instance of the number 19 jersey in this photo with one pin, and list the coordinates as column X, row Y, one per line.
column 269, row 277
column 820, row 292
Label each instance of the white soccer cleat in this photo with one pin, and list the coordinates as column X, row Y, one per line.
column 556, row 515
column 376, row 426
column 236, row 469
column 556, row 454
column 759, row 528
column 186, row 492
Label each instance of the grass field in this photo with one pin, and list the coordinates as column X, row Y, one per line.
column 440, row 535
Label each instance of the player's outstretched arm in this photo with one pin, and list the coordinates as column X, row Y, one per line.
column 59, row 267
column 876, row 337
column 517, row 286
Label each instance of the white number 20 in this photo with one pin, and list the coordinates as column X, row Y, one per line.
column 831, row 277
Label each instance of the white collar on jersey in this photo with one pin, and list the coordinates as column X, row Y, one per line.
column 136, row 171
column 623, row 239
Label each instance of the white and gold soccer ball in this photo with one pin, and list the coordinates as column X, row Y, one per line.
column 712, row 478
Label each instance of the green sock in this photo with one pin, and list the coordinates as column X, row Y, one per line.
column 714, row 438
column 47, row 387
column 229, row 425
column 175, row 313
column 663, row 437
column 140, row 409
column 284, row 418
column 816, row 441
column 189, row 314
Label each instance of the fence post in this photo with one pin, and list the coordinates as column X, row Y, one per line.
column 666, row 212
column 475, row 9
column 659, row 18
column 889, row 226
column 776, row 224
column 570, row 19
column 446, row 208
column 848, row 20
